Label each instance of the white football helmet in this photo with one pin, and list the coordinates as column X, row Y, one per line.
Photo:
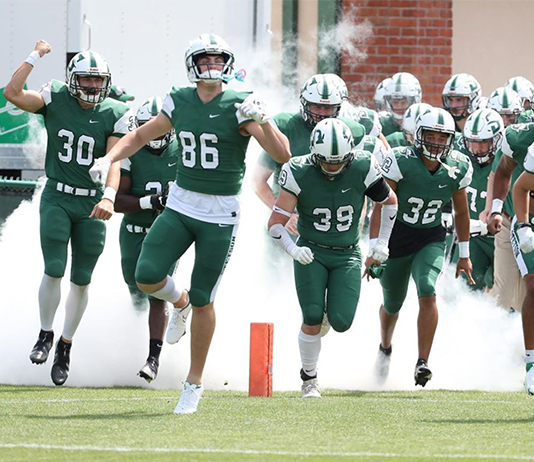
column 434, row 120
column 332, row 147
column 88, row 64
column 410, row 116
column 401, row 92
column 524, row 88
column 341, row 85
column 483, row 126
column 209, row 44
column 149, row 110
column 464, row 85
column 379, row 95
column 507, row 103
column 321, row 90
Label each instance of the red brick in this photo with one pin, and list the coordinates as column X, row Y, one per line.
column 402, row 41
column 403, row 22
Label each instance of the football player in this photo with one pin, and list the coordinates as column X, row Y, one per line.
column 461, row 97
column 424, row 177
column 328, row 187
column 82, row 124
column 213, row 127
column 145, row 181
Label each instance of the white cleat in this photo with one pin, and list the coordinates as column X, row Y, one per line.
column 529, row 381
column 325, row 325
column 177, row 324
column 189, row 399
column 310, row 389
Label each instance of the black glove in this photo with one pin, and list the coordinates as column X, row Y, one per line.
column 157, row 202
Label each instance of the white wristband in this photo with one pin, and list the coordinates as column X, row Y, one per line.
column 109, row 193
column 464, row 249
column 144, row 203
column 496, row 206
column 32, row 58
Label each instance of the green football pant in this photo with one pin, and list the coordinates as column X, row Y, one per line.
column 332, row 279
column 169, row 238
column 424, row 266
column 64, row 218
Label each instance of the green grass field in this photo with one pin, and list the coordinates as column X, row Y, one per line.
column 75, row 424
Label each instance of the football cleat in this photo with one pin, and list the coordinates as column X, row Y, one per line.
column 383, row 360
column 42, row 347
column 310, row 388
column 422, row 372
column 189, row 399
column 149, row 371
column 529, row 381
column 177, row 324
column 60, row 368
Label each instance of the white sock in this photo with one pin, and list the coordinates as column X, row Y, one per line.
column 310, row 347
column 74, row 309
column 529, row 356
column 49, row 297
column 168, row 292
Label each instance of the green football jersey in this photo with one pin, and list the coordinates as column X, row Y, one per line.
column 366, row 117
column 517, row 138
column 150, row 174
column 212, row 151
column 421, row 194
column 78, row 136
column 477, row 190
column 397, row 139
column 330, row 210
column 526, row 116
column 298, row 133
column 389, row 125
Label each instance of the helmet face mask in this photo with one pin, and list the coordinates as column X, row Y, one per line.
column 482, row 135
column 461, row 96
column 148, row 111
column 321, row 97
column 200, row 68
column 434, row 134
column 88, row 77
column 332, row 147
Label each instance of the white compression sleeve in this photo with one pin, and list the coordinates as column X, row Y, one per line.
column 310, row 348
column 75, row 306
column 282, row 237
column 388, row 215
column 168, row 292
column 49, row 297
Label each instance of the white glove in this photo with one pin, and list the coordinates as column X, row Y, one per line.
column 303, row 255
column 447, row 222
column 379, row 251
column 100, row 169
column 526, row 239
column 477, row 228
column 253, row 108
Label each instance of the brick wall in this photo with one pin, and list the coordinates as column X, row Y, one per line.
column 408, row 36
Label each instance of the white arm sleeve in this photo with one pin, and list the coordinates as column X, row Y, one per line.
column 282, row 237
column 388, row 215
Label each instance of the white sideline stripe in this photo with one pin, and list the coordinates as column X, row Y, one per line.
column 154, row 398
column 257, row 452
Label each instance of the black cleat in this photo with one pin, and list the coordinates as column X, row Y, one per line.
column 383, row 360
column 60, row 368
column 422, row 372
column 42, row 347
column 150, row 370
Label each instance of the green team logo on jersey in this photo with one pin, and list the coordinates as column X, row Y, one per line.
column 519, row 127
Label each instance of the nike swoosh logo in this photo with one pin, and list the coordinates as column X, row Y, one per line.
column 279, row 237
column 442, row 186
column 345, row 190
column 392, row 217
column 172, row 165
column 94, row 121
column 212, row 116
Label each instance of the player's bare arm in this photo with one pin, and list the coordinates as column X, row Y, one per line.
column 27, row 100
column 461, row 222
column 501, row 186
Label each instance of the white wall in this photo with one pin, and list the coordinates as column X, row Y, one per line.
column 493, row 40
